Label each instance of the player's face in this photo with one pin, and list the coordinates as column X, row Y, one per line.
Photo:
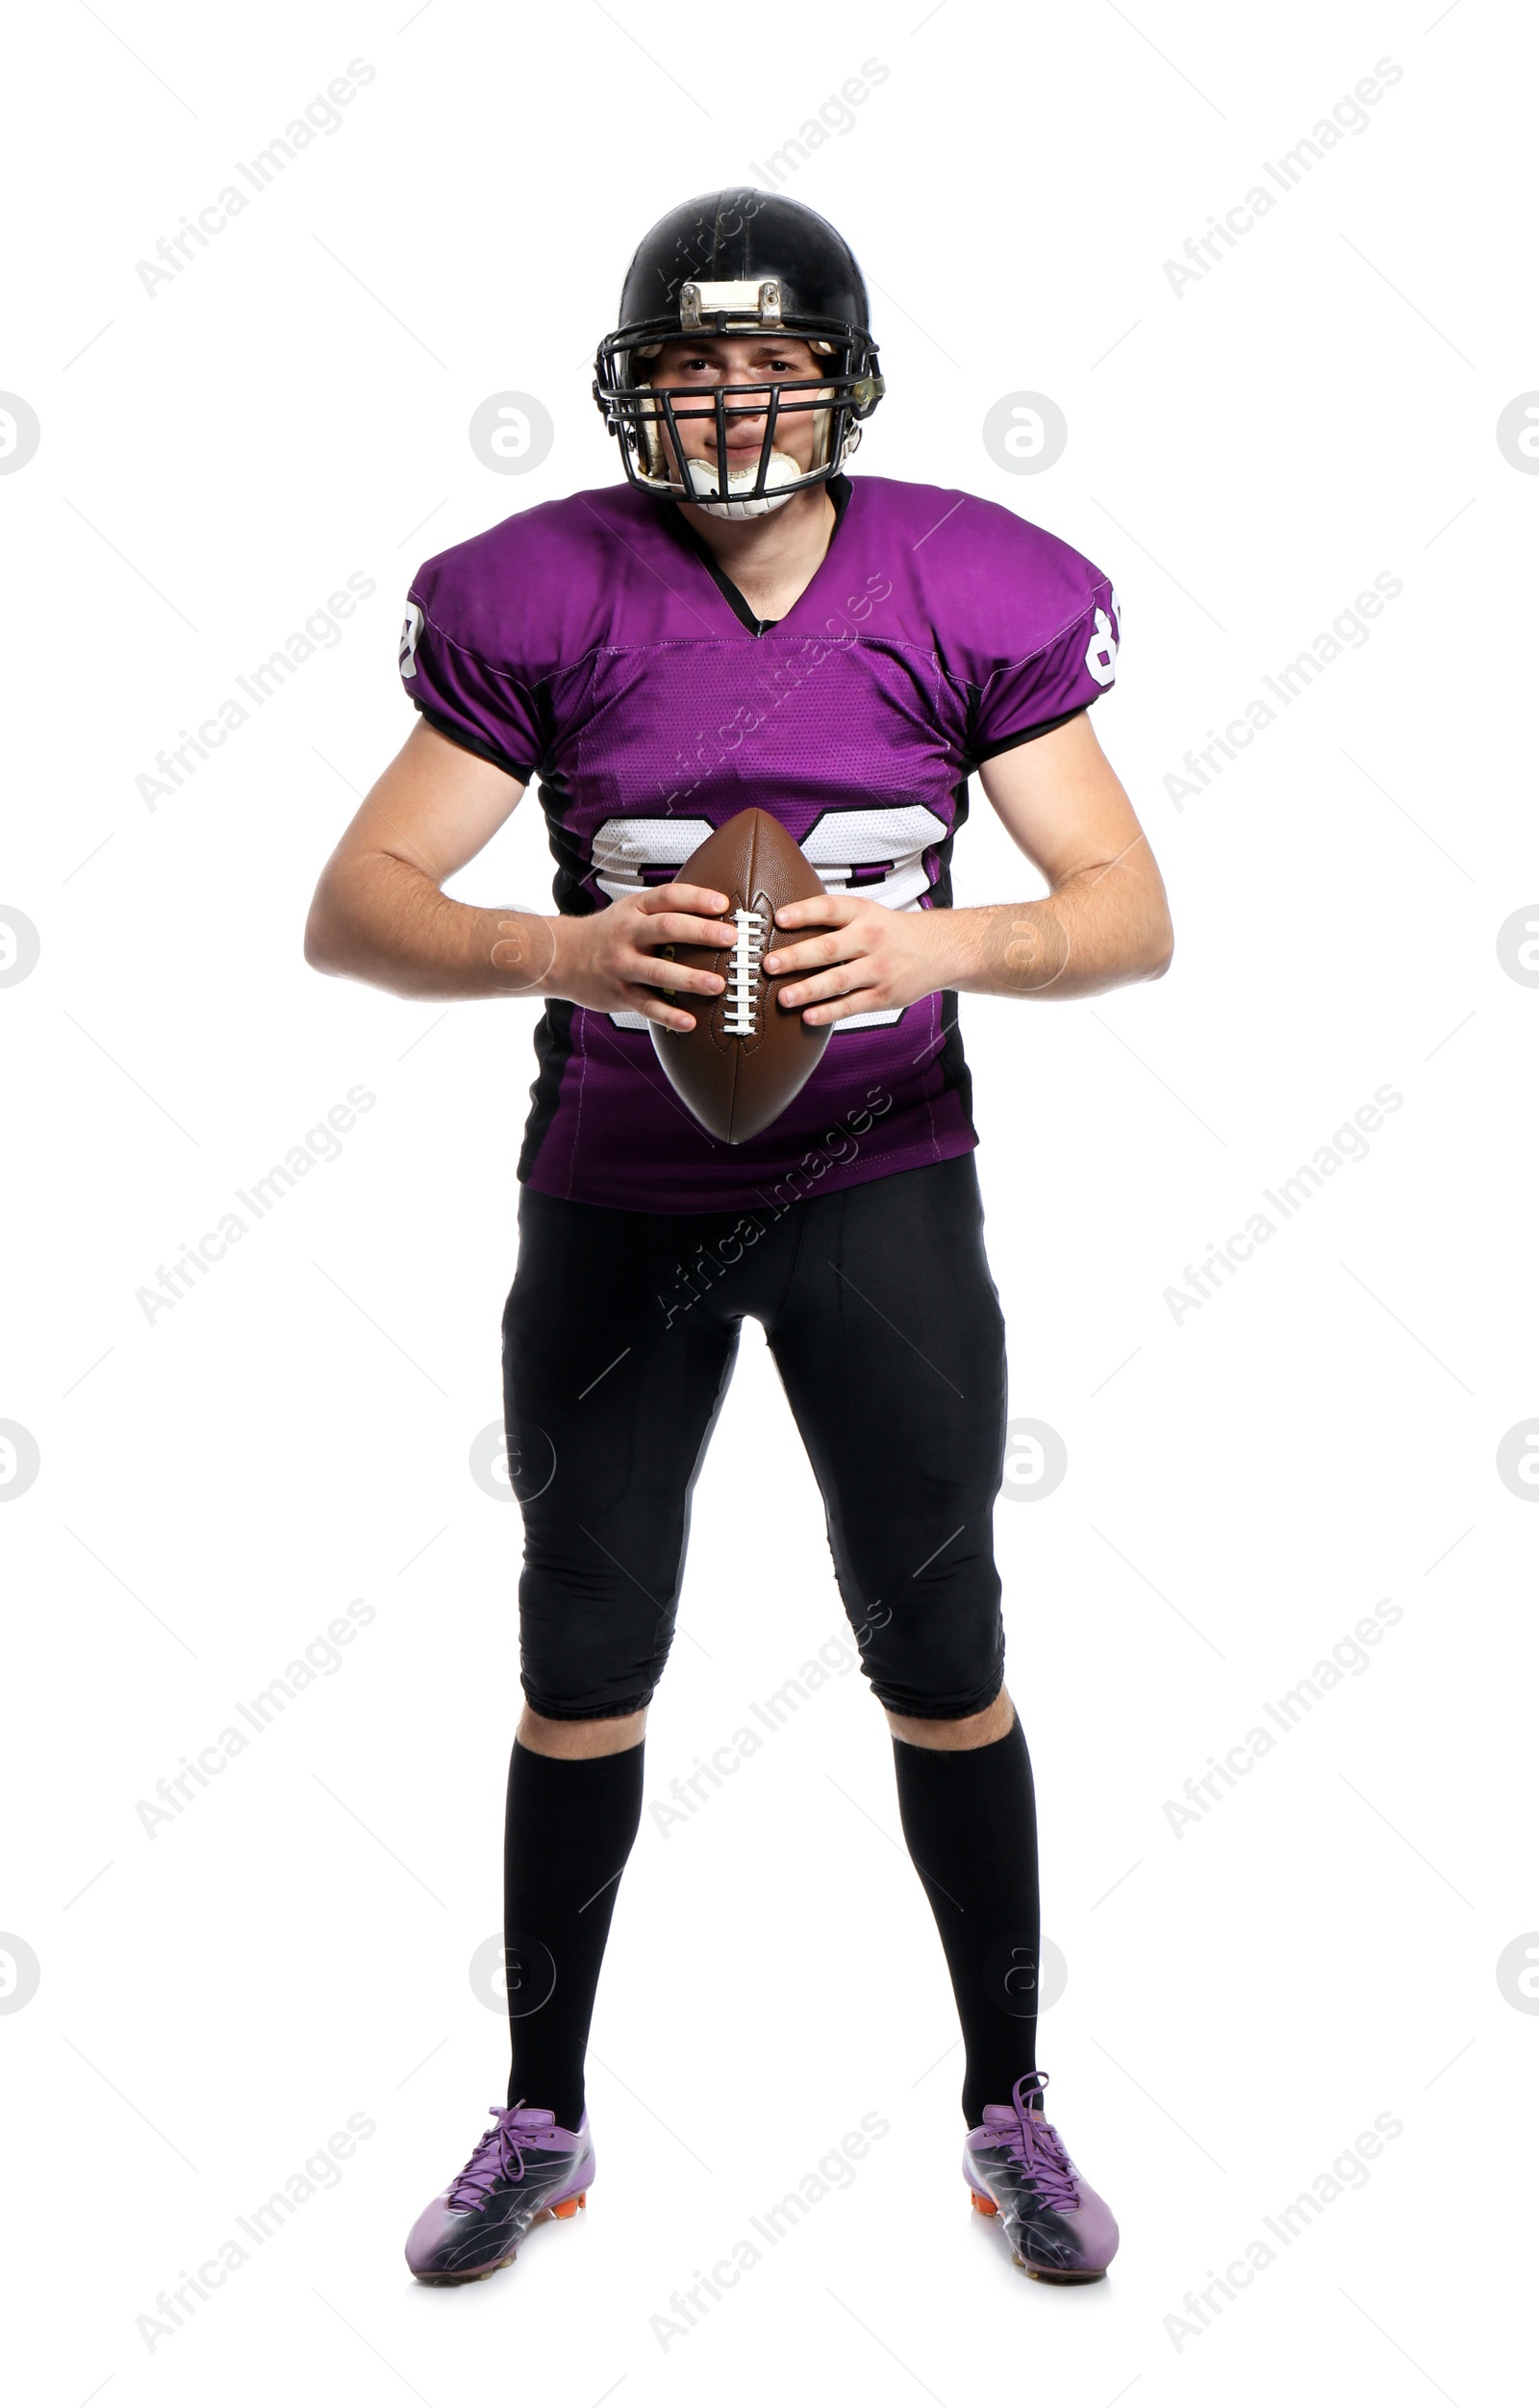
column 689, row 368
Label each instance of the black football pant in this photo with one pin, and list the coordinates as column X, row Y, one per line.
column 619, row 1340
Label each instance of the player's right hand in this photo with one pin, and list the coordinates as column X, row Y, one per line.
column 612, row 960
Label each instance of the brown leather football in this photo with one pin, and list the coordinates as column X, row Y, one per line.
column 745, row 1058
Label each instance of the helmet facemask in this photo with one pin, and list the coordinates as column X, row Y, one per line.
column 647, row 418
column 753, row 488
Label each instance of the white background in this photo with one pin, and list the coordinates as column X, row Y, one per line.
column 1244, row 1483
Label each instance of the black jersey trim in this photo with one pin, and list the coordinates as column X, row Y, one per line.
column 572, row 866
column 552, row 1053
column 956, row 1074
column 951, row 1059
column 981, row 753
column 523, row 771
column 839, row 492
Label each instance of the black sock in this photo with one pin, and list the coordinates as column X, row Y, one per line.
column 570, row 1825
column 970, row 1822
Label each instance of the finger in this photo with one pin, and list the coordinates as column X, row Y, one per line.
column 817, row 910
column 679, row 899
column 847, row 980
column 867, row 1000
column 718, row 936
column 655, row 971
column 643, row 1001
column 842, row 945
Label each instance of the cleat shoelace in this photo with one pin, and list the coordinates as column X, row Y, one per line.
column 1035, row 2147
column 512, row 2130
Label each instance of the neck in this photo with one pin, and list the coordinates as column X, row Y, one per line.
column 769, row 550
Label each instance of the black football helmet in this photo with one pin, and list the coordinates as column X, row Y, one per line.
column 733, row 264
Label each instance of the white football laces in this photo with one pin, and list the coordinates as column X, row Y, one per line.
column 742, row 975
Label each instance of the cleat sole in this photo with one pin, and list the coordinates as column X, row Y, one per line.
column 570, row 2207
column 983, row 2203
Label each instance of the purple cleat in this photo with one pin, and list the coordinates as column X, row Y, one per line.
column 1019, row 2169
column 524, row 2168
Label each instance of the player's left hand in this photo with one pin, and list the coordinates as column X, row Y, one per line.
column 865, row 958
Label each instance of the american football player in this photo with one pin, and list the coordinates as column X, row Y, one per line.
column 736, row 621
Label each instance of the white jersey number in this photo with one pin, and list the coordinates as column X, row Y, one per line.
column 411, row 628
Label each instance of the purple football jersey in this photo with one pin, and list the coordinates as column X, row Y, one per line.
column 591, row 642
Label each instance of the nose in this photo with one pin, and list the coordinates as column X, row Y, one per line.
column 745, row 413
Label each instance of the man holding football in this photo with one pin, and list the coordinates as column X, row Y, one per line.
column 738, row 625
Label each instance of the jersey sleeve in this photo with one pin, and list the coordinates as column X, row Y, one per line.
column 1025, row 698
column 483, row 703
column 1041, row 645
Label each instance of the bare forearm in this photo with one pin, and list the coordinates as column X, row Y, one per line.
column 1096, row 930
column 383, row 921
